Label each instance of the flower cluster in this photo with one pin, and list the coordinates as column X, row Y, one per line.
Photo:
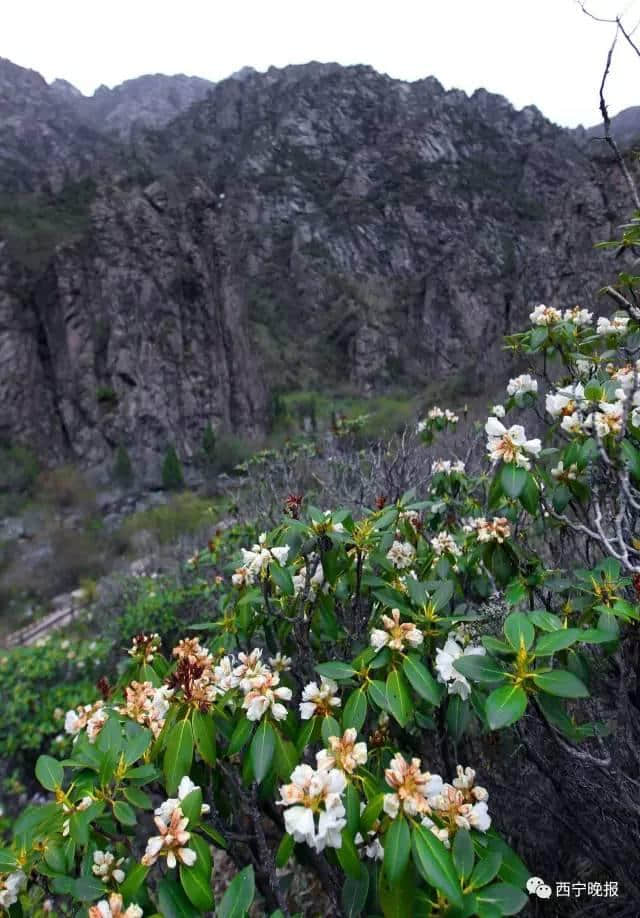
column 444, row 543
column 261, row 687
column 510, row 445
column 311, row 576
column 460, row 805
column 91, row 717
column 411, row 787
column 315, row 791
column 343, row 753
column 521, row 385
column 113, row 907
column 11, row 885
column 107, row 867
column 447, row 467
column 144, row 647
column 173, row 838
column 401, row 554
column 496, row 530
column 616, row 325
column 256, row 561
column 396, row 634
column 147, row 705
column 319, row 700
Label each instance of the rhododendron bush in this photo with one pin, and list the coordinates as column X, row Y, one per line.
column 319, row 715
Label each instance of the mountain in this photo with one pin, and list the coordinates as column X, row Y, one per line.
column 625, row 127
column 316, row 226
column 147, row 101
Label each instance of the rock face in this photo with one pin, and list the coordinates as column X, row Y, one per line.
column 308, row 227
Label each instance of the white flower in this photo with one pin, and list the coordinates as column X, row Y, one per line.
column 578, row 316
column 498, row 411
column 310, row 792
column 520, row 385
column 257, row 559
column 264, row 694
column 560, row 472
column 607, row 419
column 444, row 542
column 617, row 325
column 107, row 867
column 396, row 633
column 10, row 887
column 343, row 753
column 446, row 466
column 114, row 908
column 316, row 580
column 319, row 700
column 401, row 554
column 447, row 674
column 572, row 423
column 451, row 417
column 172, row 840
column 435, row 413
column 545, row 315
column 510, row 445
column 90, row 716
column 411, row 787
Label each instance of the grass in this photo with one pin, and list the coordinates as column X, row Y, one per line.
column 184, row 514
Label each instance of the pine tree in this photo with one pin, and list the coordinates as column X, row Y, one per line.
column 172, row 477
column 122, row 468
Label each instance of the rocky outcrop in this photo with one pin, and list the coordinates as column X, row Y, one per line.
column 309, row 227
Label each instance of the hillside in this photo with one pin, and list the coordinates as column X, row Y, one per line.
column 314, row 227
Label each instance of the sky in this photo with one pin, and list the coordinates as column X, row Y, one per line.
column 541, row 52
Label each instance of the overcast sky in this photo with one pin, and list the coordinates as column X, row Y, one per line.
column 541, row 52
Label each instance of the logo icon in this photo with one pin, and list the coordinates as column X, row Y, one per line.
column 537, row 886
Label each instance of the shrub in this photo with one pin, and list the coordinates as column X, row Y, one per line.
column 172, row 477
column 183, row 514
column 350, row 658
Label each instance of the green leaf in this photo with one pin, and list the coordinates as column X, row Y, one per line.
column 282, row 578
column 505, row 706
column 240, row 735
column 509, row 899
column 352, row 807
column 557, row 640
column 191, row 806
column 512, row 479
column 285, row 850
column 172, row 901
column 335, row 670
column 7, row 860
column 178, row 755
column 239, row 895
column 355, row 710
column 377, row 692
column 397, row 848
column 457, row 716
column 330, row 727
column 197, row 887
column 547, row 621
column 480, row 668
column 355, row 892
column 348, row 856
column 632, row 456
column 560, row 682
column 49, row 772
column 398, row 697
column 435, row 864
column 262, row 748
column 285, row 757
column 88, row 889
column 421, row 679
column 124, row 813
column 530, row 495
column 519, row 630
column 462, row 852
column 370, row 813
column 485, row 870
column 133, row 881
column 204, row 736
column 138, row 741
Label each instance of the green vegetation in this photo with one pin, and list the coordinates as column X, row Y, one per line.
column 122, row 468
column 183, row 514
column 172, row 477
column 35, row 223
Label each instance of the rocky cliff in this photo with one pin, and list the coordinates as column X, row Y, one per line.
column 314, row 226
